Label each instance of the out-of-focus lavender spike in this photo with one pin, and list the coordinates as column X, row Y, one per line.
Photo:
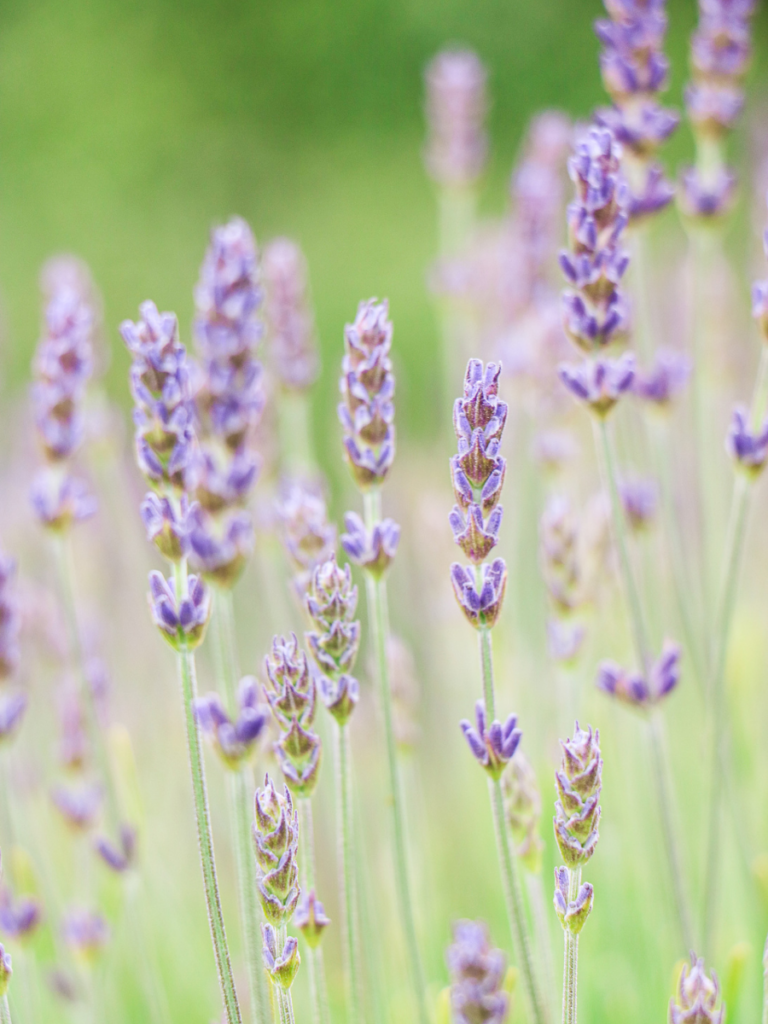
column 640, row 500
column 310, row 918
column 10, row 618
column 308, row 537
column 220, row 546
column 661, row 384
column 456, row 108
column 182, row 622
column 706, row 198
column 600, row 383
column 373, row 550
column 635, row 71
column 367, row 411
column 118, row 855
column 477, row 975
column 559, row 554
column 760, row 297
column 79, row 805
column 697, row 996
column 168, row 524
column 553, row 449
column 404, row 686
column 746, row 446
column 642, row 692
column 493, row 744
column 565, row 639
column 86, row 933
column 73, row 742
column 522, row 804
column 291, row 324
column 19, row 917
column 577, row 809
column 233, row 740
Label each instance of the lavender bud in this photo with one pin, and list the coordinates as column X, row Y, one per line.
column 331, row 602
column 636, row 690
column 168, row 524
column 574, row 913
column 456, row 108
column 565, row 640
column 182, row 622
column 276, row 840
column 20, row 917
column 578, row 784
column 522, row 803
column 221, row 480
column 664, row 381
column 120, row 855
column 220, row 546
column 373, row 550
column 476, row 537
column 478, row 470
column 480, row 599
column 706, row 199
column 639, row 499
column 367, row 385
column 60, row 499
column 289, row 313
column 492, row 745
column 747, row 448
column 477, row 976
column 298, row 752
column 6, row 970
column 10, row 618
column 86, row 933
column 310, row 918
column 281, row 965
column 340, row 696
column 233, row 741
column 291, row 690
column 78, row 805
column 308, row 537
column 697, row 997
column 599, row 383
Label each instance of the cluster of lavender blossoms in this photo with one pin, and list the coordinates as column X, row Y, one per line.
column 292, row 694
column 334, row 641
column 477, row 976
column 233, row 739
column 635, row 71
column 228, row 402
column 62, row 368
column 720, row 55
column 595, row 312
column 291, row 324
column 456, row 109
column 642, row 691
column 697, row 996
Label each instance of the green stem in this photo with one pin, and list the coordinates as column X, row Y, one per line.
column 347, row 868
column 317, row 985
column 507, row 861
column 765, row 982
column 376, row 591
column 186, row 661
column 295, row 426
column 5, row 1011
column 571, row 957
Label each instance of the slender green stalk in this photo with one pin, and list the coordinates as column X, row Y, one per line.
column 350, row 936
column 186, row 661
column 765, row 982
column 240, row 814
column 295, row 423
column 317, row 985
column 376, row 591
column 5, row 1011
column 571, row 956
column 642, row 651
column 507, row 861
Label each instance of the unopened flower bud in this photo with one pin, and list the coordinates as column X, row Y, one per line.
column 494, row 744
column 481, row 600
column 182, row 621
column 310, row 918
column 276, row 840
column 697, row 997
column 572, row 913
column 281, row 964
column 373, row 550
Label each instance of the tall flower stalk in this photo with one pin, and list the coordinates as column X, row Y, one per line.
column 477, row 472
column 181, row 605
column 367, row 416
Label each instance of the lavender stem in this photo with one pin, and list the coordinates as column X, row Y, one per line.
column 241, row 811
column 571, row 956
column 347, row 867
column 5, row 1011
column 765, row 983
column 663, row 785
column 186, row 661
column 317, row 985
column 284, row 996
column 376, row 592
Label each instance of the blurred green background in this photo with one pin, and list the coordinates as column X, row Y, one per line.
column 126, row 130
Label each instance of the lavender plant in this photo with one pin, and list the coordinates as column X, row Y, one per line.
column 477, row 975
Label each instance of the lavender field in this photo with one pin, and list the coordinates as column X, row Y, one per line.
column 383, row 615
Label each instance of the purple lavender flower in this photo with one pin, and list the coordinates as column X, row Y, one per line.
column 706, row 198
column 219, row 546
column 331, row 603
column 20, row 917
column 182, row 621
column 310, row 918
column 456, row 108
column 168, row 524
column 760, row 298
column 291, row 324
column 339, row 695
column 639, row 691
column 234, row 741
column 276, row 840
column 10, row 619
column 477, row 976
column 12, row 708
column 476, row 537
column 492, row 745
column 281, row 964
column 291, row 691
column 573, row 914
column 85, row 932
column 697, row 997
column 308, row 537
column 577, row 809
column 664, row 381
column 599, row 383
column 60, row 498
column 747, row 447
column 480, row 599
column 78, row 805
column 639, row 499
column 373, row 550
column 121, row 854
column 565, row 640
column 367, row 411
column 595, row 311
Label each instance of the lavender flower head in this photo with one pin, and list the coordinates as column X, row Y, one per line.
column 477, row 976
column 493, row 745
column 639, row 499
column 86, row 933
column 660, row 385
column 635, row 71
column 572, row 913
column 697, row 997
column 168, row 524
column 747, row 447
column 281, row 964
column 374, row 549
column 118, row 855
column 276, row 841
column 233, row 740
column 10, row 618
column 367, row 385
column 182, row 619
column 20, row 917
column 522, row 805
column 577, row 809
column 456, row 109
column 594, row 309
column 79, row 805
column 308, row 537
column 292, row 339
column 292, row 693
column 639, row 691
column 331, row 603
column 599, row 383
column 310, row 918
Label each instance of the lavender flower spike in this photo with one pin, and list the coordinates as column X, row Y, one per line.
column 276, row 839
column 289, row 314
column 234, row 741
column 281, row 965
column 481, row 600
column 577, row 809
column 572, row 914
column 697, row 997
column 20, row 917
column 181, row 622
column 493, row 745
column 634, row 689
column 373, row 550
column 456, row 107
column 748, row 449
column 477, row 975
column 663, row 382
column 599, row 384
column 308, row 536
